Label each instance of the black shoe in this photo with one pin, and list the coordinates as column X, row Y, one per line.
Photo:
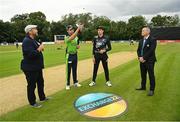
column 141, row 89
column 46, row 99
column 151, row 93
column 36, row 105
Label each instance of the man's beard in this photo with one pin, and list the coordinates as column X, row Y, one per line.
column 36, row 34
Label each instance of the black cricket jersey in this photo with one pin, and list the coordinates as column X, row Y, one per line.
column 100, row 43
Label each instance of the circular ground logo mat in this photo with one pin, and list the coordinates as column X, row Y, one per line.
column 100, row 105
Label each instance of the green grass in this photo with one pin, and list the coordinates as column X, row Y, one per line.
column 10, row 57
column 164, row 105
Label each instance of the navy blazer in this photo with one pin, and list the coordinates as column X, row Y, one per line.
column 32, row 58
column 148, row 50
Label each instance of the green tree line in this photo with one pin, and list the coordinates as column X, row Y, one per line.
column 117, row 30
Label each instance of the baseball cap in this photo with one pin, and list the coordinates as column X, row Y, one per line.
column 29, row 27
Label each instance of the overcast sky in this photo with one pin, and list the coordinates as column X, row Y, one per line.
column 113, row 9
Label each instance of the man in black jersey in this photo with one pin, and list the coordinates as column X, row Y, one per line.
column 101, row 45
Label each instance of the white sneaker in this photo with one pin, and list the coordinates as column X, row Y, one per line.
column 108, row 83
column 92, row 83
column 77, row 85
column 67, row 87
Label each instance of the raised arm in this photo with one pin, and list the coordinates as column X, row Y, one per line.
column 73, row 36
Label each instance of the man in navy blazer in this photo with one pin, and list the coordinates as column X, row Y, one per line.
column 32, row 65
column 147, row 59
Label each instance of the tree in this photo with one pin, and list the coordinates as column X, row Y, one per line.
column 135, row 24
column 6, row 32
column 117, row 30
column 19, row 22
column 101, row 21
column 173, row 20
column 58, row 28
column 69, row 19
column 165, row 20
column 122, row 30
column 44, row 30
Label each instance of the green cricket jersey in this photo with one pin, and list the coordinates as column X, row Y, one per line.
column 71, row 45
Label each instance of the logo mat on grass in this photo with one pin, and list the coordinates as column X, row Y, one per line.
column 100, row 105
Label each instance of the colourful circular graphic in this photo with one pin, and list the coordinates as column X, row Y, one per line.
column 100, row 105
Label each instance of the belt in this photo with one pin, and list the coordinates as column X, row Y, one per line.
column 97, row 52
column 72, row 53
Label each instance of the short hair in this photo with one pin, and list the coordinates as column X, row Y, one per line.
column 100, row 27
column 69, row 26
column 148, row 28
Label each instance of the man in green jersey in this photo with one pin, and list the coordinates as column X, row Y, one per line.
column 72, row 45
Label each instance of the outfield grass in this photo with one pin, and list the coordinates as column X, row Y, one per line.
column 10, row 57
column 164, row 105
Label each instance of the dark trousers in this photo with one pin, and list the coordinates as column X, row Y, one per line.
column 147, row 67
column 71, row 63
column 32, row 78
column 104, row 59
